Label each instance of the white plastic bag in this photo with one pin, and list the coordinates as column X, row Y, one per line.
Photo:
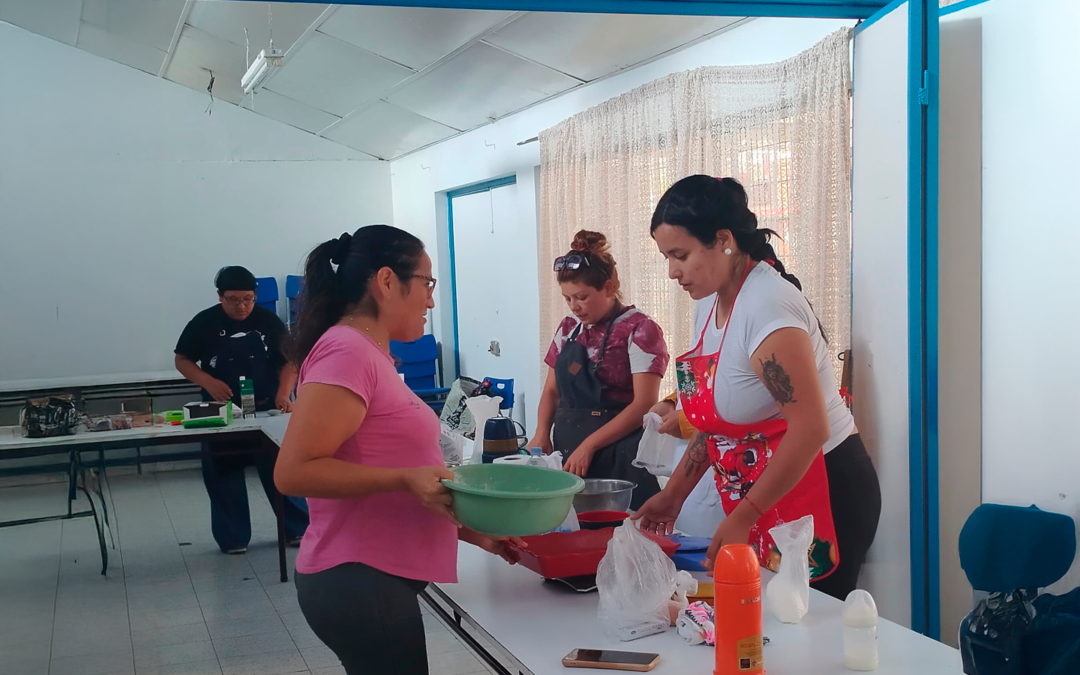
column 570, row 523
column 452, row 445
column 636, row 581
column 788, row 594
column 656, row 451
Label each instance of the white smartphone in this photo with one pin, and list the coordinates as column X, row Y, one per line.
column 606, row 659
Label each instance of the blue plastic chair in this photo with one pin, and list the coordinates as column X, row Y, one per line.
column 266, row 293
column 503, row 388
column 294, row 285
column 1005, row 549
column 418, row 361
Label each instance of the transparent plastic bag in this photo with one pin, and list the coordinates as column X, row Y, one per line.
column 788, row 594
column 452, row 445
column 636, row 581
column 656, row 451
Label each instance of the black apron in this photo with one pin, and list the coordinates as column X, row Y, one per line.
column 247, row 356
column 583, row 410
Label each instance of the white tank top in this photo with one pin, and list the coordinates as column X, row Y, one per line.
column 766, row 303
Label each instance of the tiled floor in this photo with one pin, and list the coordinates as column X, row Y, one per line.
column 172, row 604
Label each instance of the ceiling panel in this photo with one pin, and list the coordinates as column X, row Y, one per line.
column 117, row 48
column 198, row 53
column 335, row 76
column 481, row 83
column 589, row 46
column 227, row 20
column 290, row 112
column 410, row 36
column 149, row 23
column 387, row 131
column 56, row 19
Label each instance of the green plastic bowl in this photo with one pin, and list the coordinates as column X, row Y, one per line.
column 503, row 500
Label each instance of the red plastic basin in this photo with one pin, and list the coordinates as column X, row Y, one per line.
column 571, row 554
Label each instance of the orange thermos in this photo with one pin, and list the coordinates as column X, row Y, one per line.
column 737, row 584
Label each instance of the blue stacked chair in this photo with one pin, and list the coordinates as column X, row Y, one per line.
column 266, row 293
column 418, row 361
column 294, row 285
column 503, row 388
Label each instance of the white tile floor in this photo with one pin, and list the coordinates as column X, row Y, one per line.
column 172, row 604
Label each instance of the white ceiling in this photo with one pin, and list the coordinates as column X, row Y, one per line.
column 383, row 80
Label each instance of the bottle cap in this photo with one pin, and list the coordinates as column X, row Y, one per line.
column 736, row 564
column 860, row 610
column 536, row 452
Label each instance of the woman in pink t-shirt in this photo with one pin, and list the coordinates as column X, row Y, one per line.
column 365, row 452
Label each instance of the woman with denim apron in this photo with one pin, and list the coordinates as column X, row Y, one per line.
column 606, row 363
column 760, row 389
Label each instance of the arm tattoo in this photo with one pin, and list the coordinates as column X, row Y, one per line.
column 777, row 381
column 697, row 455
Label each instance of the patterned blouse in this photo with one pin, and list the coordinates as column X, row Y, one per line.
column 636, row 345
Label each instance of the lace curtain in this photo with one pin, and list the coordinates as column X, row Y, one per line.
column 783, row 130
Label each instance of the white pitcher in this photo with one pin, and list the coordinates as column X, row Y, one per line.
column 482, row 408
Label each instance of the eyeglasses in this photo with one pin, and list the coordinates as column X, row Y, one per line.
column 239, row 302
column 429, row 282
column 574, row 261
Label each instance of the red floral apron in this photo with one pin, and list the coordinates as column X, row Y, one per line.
column 739, row 454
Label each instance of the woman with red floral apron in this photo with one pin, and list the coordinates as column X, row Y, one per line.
column 760, row 389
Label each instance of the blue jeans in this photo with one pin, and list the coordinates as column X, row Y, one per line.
column 223, row 465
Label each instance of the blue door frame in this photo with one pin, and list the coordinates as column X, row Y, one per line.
column 923, row 71
column 476, row 188
column 922, row 239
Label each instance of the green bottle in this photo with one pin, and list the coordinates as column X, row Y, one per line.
column 247, row 396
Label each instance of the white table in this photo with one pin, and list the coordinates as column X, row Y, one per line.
column 265, row 426
column 538, row 623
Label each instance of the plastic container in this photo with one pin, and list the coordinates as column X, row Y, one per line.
column 562, row 555
column 737, row 588
column 503, row 500
column 247, row 396
column 860, row 632
column 598, row 520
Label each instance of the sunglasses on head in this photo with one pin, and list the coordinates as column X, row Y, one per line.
column 573, row 261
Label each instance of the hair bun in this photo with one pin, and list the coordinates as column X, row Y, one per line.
column 590, row 242
column 343, row 245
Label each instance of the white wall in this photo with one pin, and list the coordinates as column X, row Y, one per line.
column 492, row 151
column 120, row 198
column 1031, row 307
column 879, row 325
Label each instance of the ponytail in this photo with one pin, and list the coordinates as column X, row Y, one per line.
column 337, row 275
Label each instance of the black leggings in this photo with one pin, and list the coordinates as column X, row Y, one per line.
column 855, row 495
column 369, row 619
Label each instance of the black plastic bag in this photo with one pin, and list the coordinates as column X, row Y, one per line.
column 46, row 417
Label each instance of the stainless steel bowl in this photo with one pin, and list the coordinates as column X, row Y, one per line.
column 603, row 494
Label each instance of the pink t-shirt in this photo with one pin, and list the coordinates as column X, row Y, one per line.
column 391, row 532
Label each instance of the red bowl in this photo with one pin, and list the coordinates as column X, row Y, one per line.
column 598, row 520
column 571, row 554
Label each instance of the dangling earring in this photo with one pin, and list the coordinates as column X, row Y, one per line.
column 727, row 251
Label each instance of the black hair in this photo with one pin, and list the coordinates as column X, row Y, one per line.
column 601, row 267
column 235, row 278
column 703, row 206
column 330, row 291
